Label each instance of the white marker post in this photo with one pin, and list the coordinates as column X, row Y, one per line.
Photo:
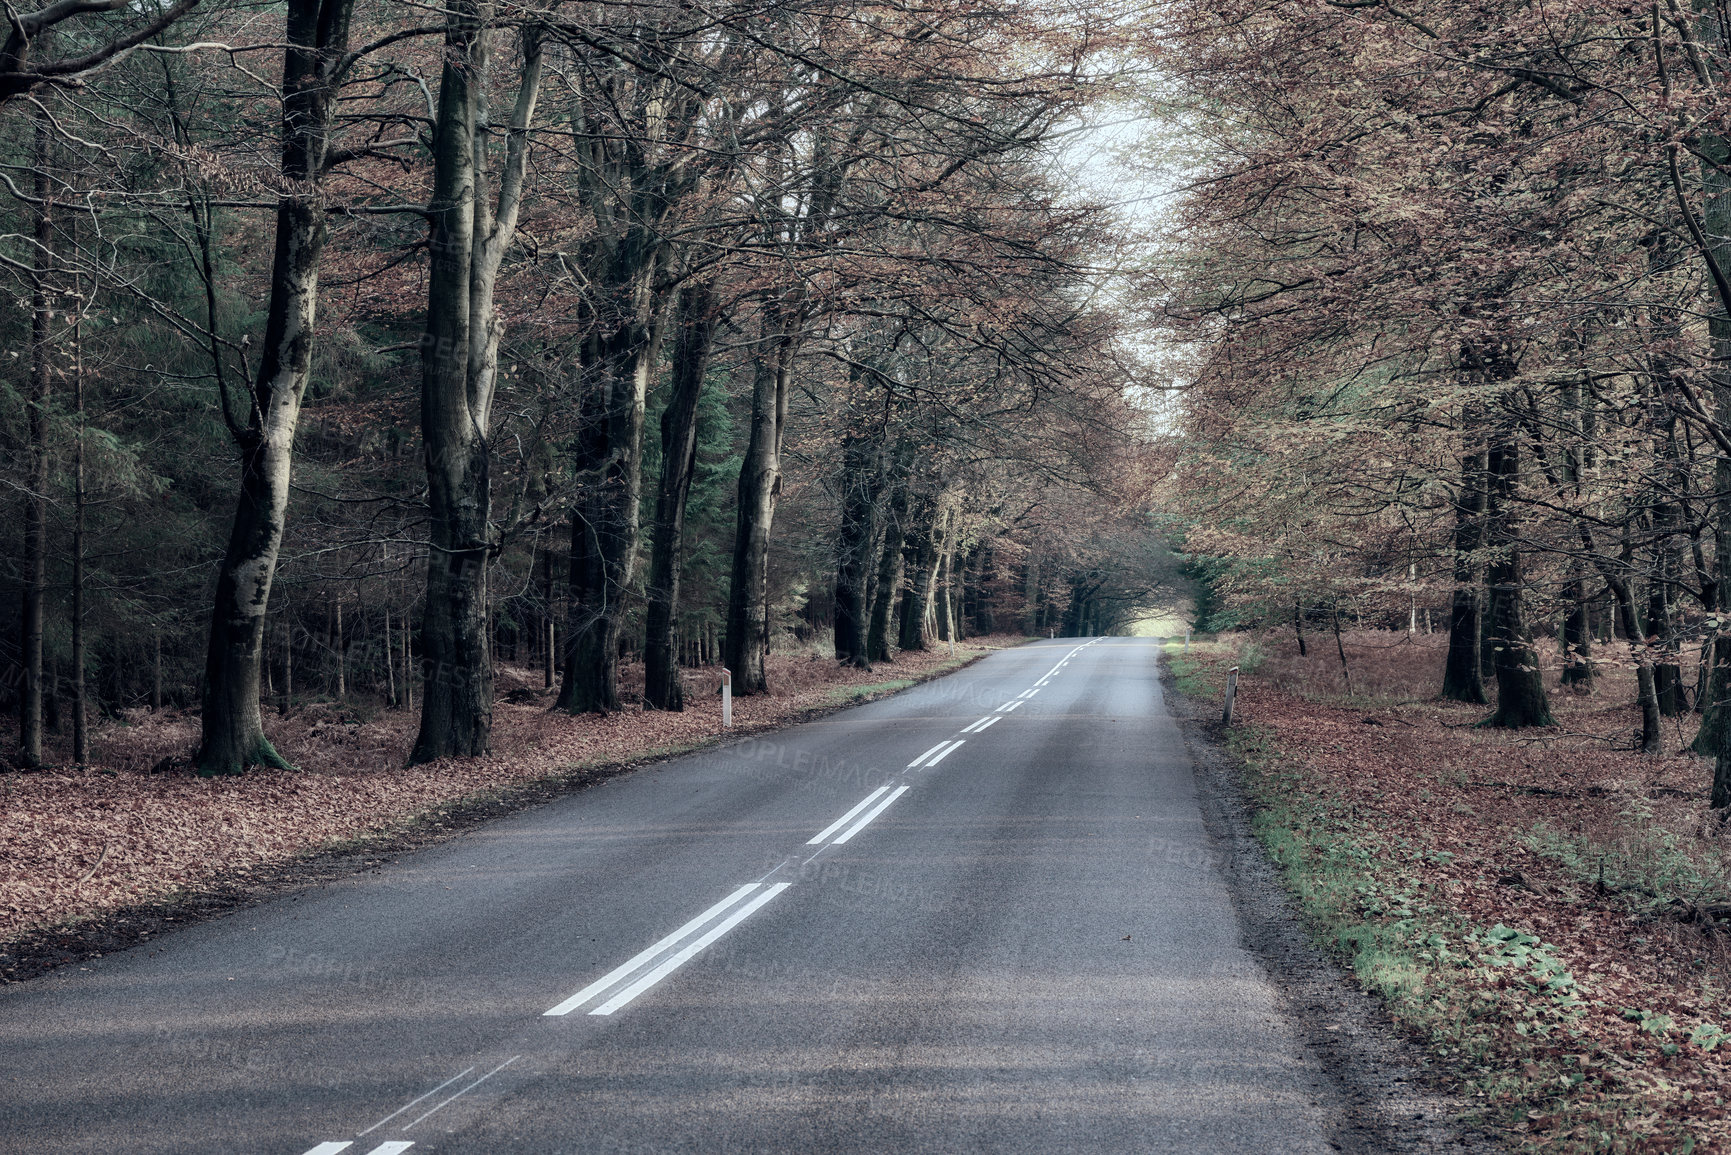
column 1231, row 696
column 726, row 698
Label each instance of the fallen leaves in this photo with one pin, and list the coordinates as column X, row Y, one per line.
column 1611, row 858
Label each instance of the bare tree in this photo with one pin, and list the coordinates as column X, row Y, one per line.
column 233, row 729
column 459, row 372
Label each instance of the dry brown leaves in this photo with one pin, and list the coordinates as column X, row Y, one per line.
column 1416, row 769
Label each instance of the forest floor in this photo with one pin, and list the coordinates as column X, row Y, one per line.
column 1546, row 910
column 102, row 856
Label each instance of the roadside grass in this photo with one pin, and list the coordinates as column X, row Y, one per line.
column 1557, row 1058
column 847, row 694
column 853, row 693
column 1646, row 865
column 1199, row 669
column 1494, row 1002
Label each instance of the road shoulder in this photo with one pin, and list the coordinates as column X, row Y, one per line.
column 1387, row 1096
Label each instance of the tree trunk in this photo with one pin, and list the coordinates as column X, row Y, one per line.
column 288, row 664
column 233, row 728
column 697, row 318
column 1646, row 692
column 1714, row 736
column 859, row 474
column 985, row 579
column 549, row 631
column 337, row 650
column 408, row 664
column 36, row 500
column 1577, row 638
column 390, row 663
column 1667, row 571
column 80, row 706
column 921, row 554
column 945, row 603
column 605, row 528
column 889, row 578
column 1521, row 699
column 747, row 639
column 459, row 368
column 1463, row 677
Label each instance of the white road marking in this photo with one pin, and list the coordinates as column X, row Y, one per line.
column 678, row 960
column 673, row 962
column 455, row 1097
column 409, row 1104
column 625, row 969
column 874, row 812
column 954, row 746
column 931, row 756
column 928, row 754
column 937, row 754
column 824, row 834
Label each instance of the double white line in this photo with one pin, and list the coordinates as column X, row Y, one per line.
column 864, row 820
column 624, row 983
column 618, row 987
column 936, row 754
column 875, row 803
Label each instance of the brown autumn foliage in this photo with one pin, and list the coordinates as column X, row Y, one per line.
column 1452, row 280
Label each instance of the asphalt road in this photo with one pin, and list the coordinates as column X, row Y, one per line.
column 852, row 935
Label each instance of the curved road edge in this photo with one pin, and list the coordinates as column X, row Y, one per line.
column 46, row 949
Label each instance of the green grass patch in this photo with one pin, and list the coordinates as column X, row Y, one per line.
column 851, row 693
column 1192, row 672
column 1495, row 1003
column 1647, row 864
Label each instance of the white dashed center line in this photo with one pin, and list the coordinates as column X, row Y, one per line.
column 935, row 755
column 823, row 835
column 412, row 1102
column 649, row 967
column 874, row 812
column 687, row 953
column 445, row 1103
